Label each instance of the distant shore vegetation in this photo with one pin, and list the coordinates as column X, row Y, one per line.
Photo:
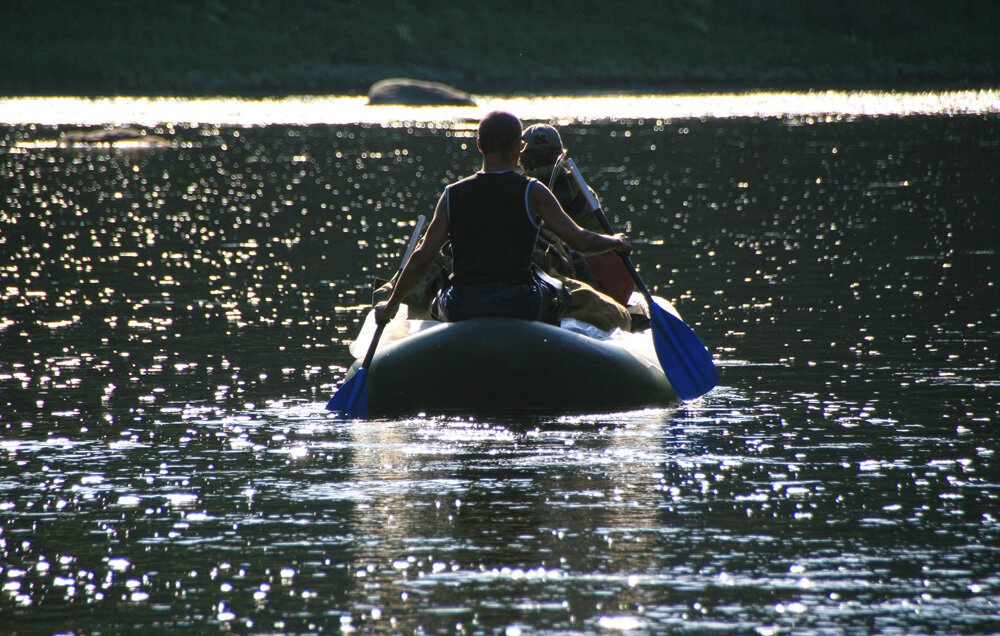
column 283, row 47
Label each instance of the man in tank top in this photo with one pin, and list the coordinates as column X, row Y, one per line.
column 492, row 219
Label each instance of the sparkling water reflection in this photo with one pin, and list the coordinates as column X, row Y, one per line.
column 354, row 110
column 174, row 316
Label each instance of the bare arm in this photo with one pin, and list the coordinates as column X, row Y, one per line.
column 584, row 241
column 418, row 265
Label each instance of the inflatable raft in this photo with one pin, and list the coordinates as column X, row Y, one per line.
column 507, row 364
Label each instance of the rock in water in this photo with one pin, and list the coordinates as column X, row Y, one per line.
column 411, row 92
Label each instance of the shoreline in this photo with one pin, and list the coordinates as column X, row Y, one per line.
column 513, row 91
column 152, row 112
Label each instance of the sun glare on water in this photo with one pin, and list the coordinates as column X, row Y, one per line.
column 355, row 110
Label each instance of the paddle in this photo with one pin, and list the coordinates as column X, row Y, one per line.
column 352, row 396
column 683, row 358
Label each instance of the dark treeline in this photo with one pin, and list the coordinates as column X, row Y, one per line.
column 258, row 47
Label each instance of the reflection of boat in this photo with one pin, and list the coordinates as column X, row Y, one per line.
column 502, row 363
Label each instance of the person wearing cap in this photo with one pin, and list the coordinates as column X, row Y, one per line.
column 599, row 285
column 539, row 158
column 492, row 220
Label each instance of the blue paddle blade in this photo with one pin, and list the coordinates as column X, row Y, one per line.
column 684, row 359
column 352, row 396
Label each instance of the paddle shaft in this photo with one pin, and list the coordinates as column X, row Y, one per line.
column 352, row 396
column 371, row 348
column 596, row 207
column 406, row 256
column 682, row 356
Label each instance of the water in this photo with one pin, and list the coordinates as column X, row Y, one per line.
column 175, row 314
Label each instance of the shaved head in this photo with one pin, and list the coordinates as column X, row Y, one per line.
column 498, row 131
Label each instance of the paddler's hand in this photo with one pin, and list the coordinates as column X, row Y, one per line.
column 384, row 312
column 626, row 243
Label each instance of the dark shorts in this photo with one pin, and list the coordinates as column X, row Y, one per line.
column 542, row 299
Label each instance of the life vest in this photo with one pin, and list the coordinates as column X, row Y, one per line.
column 492, row 229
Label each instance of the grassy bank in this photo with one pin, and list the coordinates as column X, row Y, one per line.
column 274, row 47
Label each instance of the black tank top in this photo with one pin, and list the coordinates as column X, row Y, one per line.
column 492, row 229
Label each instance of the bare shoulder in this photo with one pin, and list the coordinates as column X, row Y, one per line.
column 539, row 193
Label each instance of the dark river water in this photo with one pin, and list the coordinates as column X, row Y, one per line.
column 175, row 315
